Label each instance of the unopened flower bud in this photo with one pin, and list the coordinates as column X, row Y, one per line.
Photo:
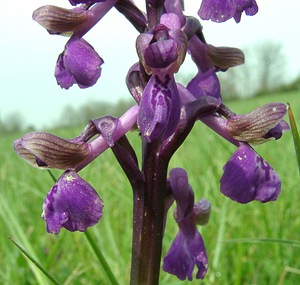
column 202, row 212
column 57, row 20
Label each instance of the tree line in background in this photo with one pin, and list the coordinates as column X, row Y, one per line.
column 264, row 72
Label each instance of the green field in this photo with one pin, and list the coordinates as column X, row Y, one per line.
column 269, row 255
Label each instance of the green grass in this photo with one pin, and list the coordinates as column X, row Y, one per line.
column 246, row 244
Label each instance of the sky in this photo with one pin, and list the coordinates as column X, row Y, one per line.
column 28, row 54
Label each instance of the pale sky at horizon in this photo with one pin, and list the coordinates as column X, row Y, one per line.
column 28, row 54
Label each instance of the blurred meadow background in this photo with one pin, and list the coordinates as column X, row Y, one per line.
column 246, row 244
column 252, row 244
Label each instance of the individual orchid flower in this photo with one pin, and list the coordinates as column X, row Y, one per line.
column 71, row 203
column 221, row 11
column 161, row 53
column 248, row 177
column 79, row 63
column 187, row 250
column 209, row 60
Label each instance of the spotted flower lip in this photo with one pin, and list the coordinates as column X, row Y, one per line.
column 71, row 203
column 221, row 11
column 248, row 177
column 79, row 63
column 159, row 108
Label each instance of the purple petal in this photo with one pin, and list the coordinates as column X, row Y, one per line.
column 205, row 84
column 63, row 77
column 79, row 63
column 184, row 254
column 161, row 53
column 221, row 11
column 248, row 177
column 72, row 203
column 249, row 6
column 277, row 131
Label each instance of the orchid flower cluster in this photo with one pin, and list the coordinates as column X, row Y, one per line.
column 165, row 113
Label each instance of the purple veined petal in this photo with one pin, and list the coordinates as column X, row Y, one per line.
column 159, row 108
column 60, row 21
column 44, row 150
column 79, row 63
column 71, row 203
column 260, row 125
column 248, row 177
column 184, row 254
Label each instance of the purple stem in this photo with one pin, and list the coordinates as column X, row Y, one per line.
column 148, row 218
column 97, row 12
column 99, row 144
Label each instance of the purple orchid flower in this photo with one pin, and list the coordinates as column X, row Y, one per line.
column 71, row 203
column 187, row 250
column 248, row 177
column 161, row 52
column 221, row 11
column 79, row 63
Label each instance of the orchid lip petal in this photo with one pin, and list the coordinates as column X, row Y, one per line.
column 248, row 177
column 71, row 203
column 79, row 63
